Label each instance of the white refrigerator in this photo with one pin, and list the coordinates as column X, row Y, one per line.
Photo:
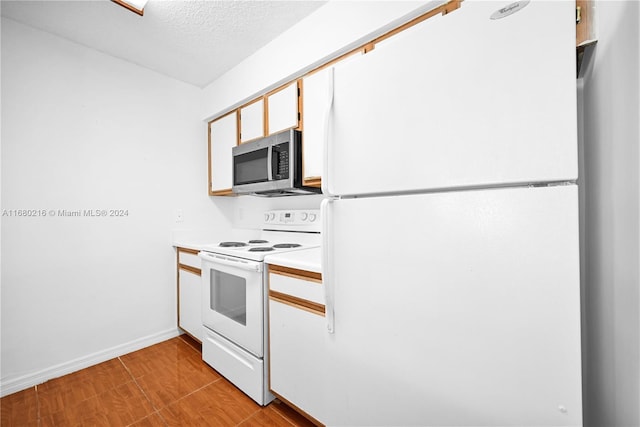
column 451, row 237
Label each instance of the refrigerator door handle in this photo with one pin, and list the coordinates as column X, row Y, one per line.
column 327, row 273
column 326, row 188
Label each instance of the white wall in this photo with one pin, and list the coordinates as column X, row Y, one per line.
column 82, row 130
column 611, row 133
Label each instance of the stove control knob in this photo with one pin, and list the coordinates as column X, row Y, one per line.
column 312, row 217
column 272, row 216
column 304, row 216
column 266, row 217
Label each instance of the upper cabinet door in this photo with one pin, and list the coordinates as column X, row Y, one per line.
column 223, row 136
column 316, row 99
column 459, row 100
column 252, row 121
column 283, row 109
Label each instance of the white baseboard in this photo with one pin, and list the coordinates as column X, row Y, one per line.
column 9, row 386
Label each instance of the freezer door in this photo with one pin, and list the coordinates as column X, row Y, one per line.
column 458, row 309
column 459, row 100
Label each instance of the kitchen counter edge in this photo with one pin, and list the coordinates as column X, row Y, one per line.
column 305, row 259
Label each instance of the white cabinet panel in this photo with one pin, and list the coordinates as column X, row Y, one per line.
column 475, row 322
column 297, row 357
column 252, row 121
column 223, row 138
column 189, row 309
column 460, row 100
column 283, row 109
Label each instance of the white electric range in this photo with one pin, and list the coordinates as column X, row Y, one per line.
column 234, row 306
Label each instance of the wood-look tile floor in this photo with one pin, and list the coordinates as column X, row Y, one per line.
column 167, row 384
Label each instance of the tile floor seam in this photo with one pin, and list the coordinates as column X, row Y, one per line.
column 155, row 410
column 126, row 368
column 37, row 405
column 251, row 416
column 162, row 418
column 158, row 409
column 192, row 392
column 96, row 396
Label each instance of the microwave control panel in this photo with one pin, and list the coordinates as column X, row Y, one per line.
column 280, row 161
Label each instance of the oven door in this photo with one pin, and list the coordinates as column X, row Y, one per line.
column 233, row 300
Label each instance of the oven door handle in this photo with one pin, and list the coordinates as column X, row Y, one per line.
column 232, row 262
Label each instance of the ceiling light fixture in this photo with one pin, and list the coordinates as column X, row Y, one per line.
column 136, row 6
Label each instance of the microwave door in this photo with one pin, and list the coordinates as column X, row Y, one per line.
column 251, row 167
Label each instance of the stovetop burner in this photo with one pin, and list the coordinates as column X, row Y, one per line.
column 232, row 244
column 261, row 249
column 286, row 245
column 258, row 241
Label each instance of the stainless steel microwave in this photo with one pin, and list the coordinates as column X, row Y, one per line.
column 270, row 166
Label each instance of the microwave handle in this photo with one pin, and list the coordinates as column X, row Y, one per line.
column 270, row 163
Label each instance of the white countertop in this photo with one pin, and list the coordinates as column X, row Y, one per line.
column 305, row 259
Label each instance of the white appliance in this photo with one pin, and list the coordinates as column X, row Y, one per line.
column 450, row 231
column 234, row 297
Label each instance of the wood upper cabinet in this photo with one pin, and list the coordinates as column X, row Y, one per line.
column 252, row 120
column 223, row 136
column 283, row 108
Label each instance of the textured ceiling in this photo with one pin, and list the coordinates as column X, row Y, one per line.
column 192, row 41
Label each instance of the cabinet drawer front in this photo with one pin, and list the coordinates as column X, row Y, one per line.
column 188, row 258
column 298, row 287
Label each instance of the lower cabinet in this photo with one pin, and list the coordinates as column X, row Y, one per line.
column 297, row 331
column 189, row 293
